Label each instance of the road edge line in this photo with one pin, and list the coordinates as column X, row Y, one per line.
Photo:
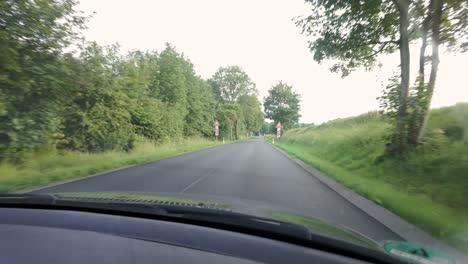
column 35, row 189
column 384, row 216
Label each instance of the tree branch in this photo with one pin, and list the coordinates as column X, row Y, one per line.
column 402, row 3
column 377, row 52
column 380, row 42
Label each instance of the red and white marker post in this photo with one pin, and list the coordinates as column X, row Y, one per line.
column 279, row 126
column 216, row 129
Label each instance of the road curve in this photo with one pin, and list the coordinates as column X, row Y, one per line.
column 249, row 169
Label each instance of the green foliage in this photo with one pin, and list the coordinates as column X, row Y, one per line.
column 95, row 99
column 32, row 37
column 390, row 97
column 170, row 78
column 136, row 71
column 353, row 32
column 454, row 25
column 231, row 82
column 239, row 111
column 251, row 112
column 282, row 105
column 390, row 104
column 201, row 108
column 452, row 121
column 96, row 118
column 170, row 86
column 428, row 187
column 229, row 115
column 267, row 128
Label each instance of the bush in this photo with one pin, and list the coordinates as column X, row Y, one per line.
column 452, row 120
column 101, row 127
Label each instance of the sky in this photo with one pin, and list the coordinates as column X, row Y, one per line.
column 261, row 37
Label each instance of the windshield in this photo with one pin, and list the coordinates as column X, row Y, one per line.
column 333, row 115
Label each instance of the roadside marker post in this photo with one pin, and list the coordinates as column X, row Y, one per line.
column 216, row 129
column 279, row 126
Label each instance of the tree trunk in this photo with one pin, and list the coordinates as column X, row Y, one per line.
column 236, row 132
column 421, row 92
column 422, row 54
column 436, row 20
column 400, row 138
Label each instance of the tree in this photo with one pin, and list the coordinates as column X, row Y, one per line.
column 231, row 82
column 351, row 32
column 267, row 128
column 443, row 22
column 96, row 116
column 171, row 88
column 400, row 138
column 251, row 112
column 282, row 105
column 201, row 108
column 95, row 99
column 435, row 22
column 170, row 77
column 229, row 116
column 355, row 32
column 33, row 37
column 136, row 72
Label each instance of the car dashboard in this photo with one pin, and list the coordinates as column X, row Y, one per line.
column 64, row 236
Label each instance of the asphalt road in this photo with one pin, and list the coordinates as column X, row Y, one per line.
column 250, row 169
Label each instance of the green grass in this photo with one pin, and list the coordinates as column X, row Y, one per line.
column 42, row 169
column 429, row 188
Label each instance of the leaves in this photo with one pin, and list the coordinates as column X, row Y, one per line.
column 229, row 115
column 353, row 32
column 251, row 112
column 282, row 105
column 96, row 99
column 32, row 69
column 231, row 82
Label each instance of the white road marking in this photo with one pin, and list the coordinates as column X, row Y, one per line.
column 197, row 181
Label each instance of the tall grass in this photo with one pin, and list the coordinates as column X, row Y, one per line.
column 44, row 168
column 429, row 187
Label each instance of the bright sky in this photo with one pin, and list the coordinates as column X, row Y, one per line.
column 261, row 37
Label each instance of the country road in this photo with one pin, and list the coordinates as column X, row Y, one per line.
column 249, row 169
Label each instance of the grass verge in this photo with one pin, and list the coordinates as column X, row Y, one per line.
column 55, row 166
column 428, row 188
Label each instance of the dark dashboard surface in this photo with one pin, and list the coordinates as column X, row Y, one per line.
column 56, row 236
